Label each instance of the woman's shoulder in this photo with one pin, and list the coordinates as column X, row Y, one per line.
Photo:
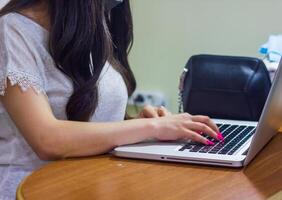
column 23, row 51
column 8, row 25
column 15, row 24
column 11, row 21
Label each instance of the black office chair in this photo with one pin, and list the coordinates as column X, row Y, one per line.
column 225, row 87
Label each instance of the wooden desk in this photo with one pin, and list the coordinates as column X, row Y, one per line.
column 107, row 177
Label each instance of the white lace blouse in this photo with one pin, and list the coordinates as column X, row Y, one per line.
column 26, row 62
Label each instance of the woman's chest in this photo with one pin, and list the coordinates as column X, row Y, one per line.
column 112, row 94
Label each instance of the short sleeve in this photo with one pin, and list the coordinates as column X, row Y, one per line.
column 19, row 59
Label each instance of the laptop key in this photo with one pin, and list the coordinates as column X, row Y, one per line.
column 231, row 152
column 186, row 146
column 222, row 128
column 206, row 149
column 230, row 133
column 197, row 147
column 227, row 131
column 248, row 129
column 226, row 149
column 217, row 147
column 234, row 134
column 241, row 143
column 233, row 141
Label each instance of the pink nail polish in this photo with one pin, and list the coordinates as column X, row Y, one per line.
column 208, row 142
column 220, row 137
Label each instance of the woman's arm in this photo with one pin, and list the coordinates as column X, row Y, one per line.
column 52, row 139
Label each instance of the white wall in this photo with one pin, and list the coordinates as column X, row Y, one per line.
column 167, row 32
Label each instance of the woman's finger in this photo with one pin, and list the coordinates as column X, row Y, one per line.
column 149, row 112
column 162, row 111
column 199, row 128
column 205, row 120
column 197, row 138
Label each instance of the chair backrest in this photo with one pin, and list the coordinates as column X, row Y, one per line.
column 225, row 87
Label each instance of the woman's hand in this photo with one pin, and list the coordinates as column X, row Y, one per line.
column 181, row 126
column 153, row 112
column 186, row 126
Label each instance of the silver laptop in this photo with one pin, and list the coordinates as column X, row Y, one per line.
column 243, row 139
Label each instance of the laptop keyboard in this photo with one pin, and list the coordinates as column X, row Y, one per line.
column 234, row 137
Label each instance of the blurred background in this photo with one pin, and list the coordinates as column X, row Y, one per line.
column 168, row 32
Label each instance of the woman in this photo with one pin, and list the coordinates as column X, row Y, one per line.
column 64, row 83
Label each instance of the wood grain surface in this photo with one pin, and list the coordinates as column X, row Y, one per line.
column 109, row 178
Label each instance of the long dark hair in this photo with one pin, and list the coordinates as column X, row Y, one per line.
column 83, row 36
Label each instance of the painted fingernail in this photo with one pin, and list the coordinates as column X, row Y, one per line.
column 200, row 132
column 219, row 136
column 208, row 142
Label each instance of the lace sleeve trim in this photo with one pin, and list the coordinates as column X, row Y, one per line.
column 23, row 80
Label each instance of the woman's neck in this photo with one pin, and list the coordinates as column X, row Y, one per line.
column 38, row 13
